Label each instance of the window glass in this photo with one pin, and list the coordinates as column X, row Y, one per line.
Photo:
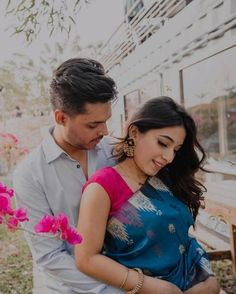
column 150, row 90
column 131, row 101
column 209, row 88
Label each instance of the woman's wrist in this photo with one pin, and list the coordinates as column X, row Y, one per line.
column 139, row 285
column 123, row 284
column 133, row 281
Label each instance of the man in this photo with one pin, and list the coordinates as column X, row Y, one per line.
column 50, row 179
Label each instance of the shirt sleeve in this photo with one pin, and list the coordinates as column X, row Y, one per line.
column 51, row 254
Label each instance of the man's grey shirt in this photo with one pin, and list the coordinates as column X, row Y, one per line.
column 48, row 181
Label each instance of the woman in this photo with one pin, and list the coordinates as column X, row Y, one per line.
column 135, row 217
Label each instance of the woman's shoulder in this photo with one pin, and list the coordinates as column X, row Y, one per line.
column 113, row 184
column 105, row 172
column 106, row 177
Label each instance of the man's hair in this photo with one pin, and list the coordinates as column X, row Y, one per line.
column 79, row 81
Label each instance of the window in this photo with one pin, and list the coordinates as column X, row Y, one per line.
column 131, row 101
column 209, row 90
column 151, row 90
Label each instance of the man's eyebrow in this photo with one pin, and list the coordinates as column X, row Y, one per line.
column 99, row 121
column 96, row 122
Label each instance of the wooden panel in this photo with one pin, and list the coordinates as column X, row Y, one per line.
column 219, row 254
column 210, row 240
column 219, row 208
column 221, row 200
column 233, row 246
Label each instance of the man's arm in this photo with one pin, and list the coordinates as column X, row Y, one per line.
column 208, row 286
column 50, row 254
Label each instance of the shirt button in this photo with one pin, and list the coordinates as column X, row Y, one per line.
column 78, row 165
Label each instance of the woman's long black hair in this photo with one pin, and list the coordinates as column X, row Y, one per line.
column 179, row 175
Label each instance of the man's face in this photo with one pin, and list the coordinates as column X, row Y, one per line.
column 84, row 131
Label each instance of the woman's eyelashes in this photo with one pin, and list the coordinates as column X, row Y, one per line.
column 162, row 144
column 166, row 145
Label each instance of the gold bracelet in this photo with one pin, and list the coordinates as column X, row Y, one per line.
column 140, row 282
column 125, row 280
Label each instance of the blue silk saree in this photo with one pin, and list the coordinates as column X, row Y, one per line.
column 150, row 231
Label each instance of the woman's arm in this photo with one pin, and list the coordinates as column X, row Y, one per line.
column 93, row 216
column 210, row 286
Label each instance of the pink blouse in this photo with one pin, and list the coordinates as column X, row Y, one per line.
column 115, row 186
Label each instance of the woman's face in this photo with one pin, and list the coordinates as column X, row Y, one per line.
column 156, row 148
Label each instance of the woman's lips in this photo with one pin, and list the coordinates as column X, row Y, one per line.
column 158, row 164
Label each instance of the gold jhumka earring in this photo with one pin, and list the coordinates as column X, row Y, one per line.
column 128, row 147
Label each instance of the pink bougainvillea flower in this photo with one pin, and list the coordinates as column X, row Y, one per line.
column 5, row 204
column 68, row 233
column 14, row 138
column 58, row 224
column 12, row 223
column 21, row 214
column 3, row 188
column 62, row 221
column 10, row 192
column 73, row 237
column 10, row 149
column 64, row 235
column 48, row 224
column 9, row 138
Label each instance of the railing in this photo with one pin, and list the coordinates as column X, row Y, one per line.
column 179, row 39
column 132, row 33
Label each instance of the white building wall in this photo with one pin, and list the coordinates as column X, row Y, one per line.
column 200, row 30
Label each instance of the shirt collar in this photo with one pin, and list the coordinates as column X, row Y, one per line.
column 52, row 150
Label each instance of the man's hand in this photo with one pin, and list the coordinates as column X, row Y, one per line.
column 210, row 286
column 154, row 286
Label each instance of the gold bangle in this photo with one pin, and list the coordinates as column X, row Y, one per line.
column 125, row 280
column 140, row 282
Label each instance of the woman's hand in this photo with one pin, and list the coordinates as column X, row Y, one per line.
column 209, row 286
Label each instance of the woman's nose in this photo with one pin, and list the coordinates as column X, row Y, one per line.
column 168, row 155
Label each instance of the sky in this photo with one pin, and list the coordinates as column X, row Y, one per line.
column 95, row 23
column 99, row 20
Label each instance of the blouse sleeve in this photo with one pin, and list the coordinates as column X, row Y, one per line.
column 113, row 184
